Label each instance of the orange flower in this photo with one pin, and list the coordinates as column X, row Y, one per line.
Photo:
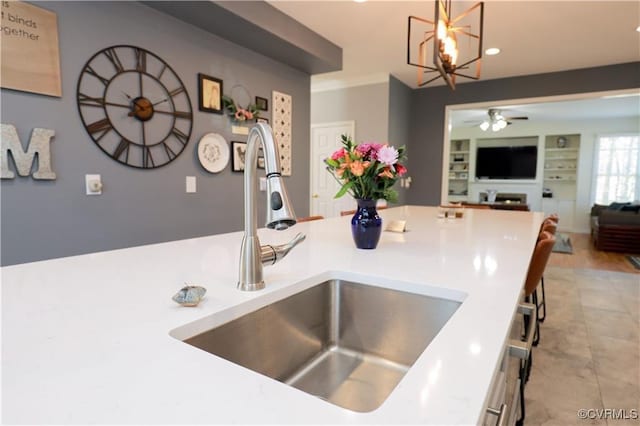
column 357, row 168
column 386, row 172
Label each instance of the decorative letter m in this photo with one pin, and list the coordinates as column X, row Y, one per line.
column 38, row 144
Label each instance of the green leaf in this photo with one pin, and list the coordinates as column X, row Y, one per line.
column 332, row 163
column 344, row 189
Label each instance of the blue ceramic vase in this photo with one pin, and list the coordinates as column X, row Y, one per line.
column 366, row 225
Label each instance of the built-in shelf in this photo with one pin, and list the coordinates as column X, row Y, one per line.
column 560, row 177
column 459, row 150
column 561, row 149
column 561, row 158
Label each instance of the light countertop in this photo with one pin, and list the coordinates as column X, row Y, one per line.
column 85, row 339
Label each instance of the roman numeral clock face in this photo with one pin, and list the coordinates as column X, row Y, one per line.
column 134, row 107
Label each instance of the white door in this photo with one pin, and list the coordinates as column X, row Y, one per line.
column 325, row 139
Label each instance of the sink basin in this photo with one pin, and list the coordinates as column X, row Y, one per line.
column 347, row 343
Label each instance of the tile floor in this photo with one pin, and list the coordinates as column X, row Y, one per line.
column 589, row 353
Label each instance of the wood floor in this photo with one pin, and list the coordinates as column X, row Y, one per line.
column 585, row 256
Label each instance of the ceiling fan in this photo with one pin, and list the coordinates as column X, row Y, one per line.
column 497, row 121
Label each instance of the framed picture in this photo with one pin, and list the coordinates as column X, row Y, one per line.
column 262, row 104
column 262, row 120
column 238, row 150
column 209, row 94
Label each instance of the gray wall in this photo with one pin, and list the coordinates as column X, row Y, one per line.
column 367, row 105
column 48, row 219
column 399, row 122
column 428, row 105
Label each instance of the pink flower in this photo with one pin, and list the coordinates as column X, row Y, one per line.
column 400, row 169
column 339, row 154
column 249, row 115
column 387, row 155
column 369, row 149
column 240, row 115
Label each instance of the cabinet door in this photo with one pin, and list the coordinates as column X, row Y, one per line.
column 566, row 211
column 550, row 206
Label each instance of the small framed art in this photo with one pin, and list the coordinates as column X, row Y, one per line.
column 238, row 151
column 209, row 94
column 262, row 104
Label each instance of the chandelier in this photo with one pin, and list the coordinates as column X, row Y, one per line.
column 496, row 121
column 438, row 53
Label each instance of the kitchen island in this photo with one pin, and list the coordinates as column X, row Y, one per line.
column 86, row 339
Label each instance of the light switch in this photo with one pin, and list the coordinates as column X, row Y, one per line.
column 263, row 183
column 93, row 184
column 191, row 184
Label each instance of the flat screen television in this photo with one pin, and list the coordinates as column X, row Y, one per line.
column 506, row 162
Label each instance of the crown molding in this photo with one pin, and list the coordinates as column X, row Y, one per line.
column 324, row 85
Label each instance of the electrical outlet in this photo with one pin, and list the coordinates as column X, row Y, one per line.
column 190, row 184
column 93, row 184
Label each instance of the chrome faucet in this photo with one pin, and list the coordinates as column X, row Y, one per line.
column 280, row 214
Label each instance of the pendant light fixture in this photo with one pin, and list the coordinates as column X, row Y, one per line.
column 439, row 42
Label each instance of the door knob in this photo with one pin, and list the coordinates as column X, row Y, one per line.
column 315, row 196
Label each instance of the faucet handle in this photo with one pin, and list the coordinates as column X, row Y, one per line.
column 300, row 237
column 270, row 255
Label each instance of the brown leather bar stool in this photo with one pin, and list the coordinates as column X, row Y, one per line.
column 536, row 269
column 537, row 266
column 351, row 212
column 309, row 218
column 550, row 225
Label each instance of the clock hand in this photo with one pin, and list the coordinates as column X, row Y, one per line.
column 117, row 105
column 140, row 82
column 128, row 97
column 159, row 102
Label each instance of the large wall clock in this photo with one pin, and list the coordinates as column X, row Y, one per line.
column 134, row 106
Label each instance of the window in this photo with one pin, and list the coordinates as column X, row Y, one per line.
column 617, row 169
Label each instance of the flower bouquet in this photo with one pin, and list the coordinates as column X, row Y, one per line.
column 368, row 172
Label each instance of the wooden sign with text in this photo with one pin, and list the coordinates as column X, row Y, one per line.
column 29, row 49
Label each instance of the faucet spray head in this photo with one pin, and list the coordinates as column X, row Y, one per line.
column 280, row 214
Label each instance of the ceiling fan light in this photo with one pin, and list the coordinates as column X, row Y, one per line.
column 492, row 51
column 495, row 127
column 484, row 126
column 502, row 123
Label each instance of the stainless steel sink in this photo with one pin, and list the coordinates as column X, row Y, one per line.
column 347, row 343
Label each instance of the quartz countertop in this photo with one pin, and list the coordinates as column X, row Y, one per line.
column 86, row 339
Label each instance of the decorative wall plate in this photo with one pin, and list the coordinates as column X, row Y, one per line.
column 213, row 152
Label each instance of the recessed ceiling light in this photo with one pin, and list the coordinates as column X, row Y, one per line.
column 638, row 29
column 359, row 1
column 492, row 51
